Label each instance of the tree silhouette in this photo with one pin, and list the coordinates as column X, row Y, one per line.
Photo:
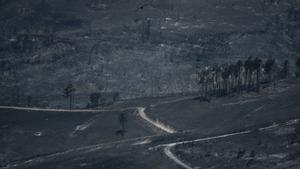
column 298, row 67
column 94, row 99
column 216, row 79
column 257, row 66
column 285, row 72
column 69, row 93
column 249, row 66
column 145, row 34
column 232, row 75
column 225, row 76
column 239, row 66
column 28, row 100
column 269, row 68
column 203, row 82
column 122, row 120
column 240, row 76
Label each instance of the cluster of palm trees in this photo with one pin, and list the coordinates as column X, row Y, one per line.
column 221, row 80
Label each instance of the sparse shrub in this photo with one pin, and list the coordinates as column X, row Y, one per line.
column 249, row 162
column 120, row 132
column 252, row 154
column 116, row 96
column 291, row 138
column 207, row 154
column 240, row 153
column 94, row 99
column 259, row 143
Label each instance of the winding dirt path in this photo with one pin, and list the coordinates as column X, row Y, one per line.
column 43, row 158
column 173, row 157
column 167, row 147
column 65, row 110
column 141, row 112
column 155, row 123
column 85, row 149
column 79, row 150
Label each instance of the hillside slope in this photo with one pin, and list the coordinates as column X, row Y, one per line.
column 138, row 48
column 232, row 113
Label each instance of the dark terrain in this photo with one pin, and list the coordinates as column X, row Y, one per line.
column 249, row 110
column 26, row 134
column 149, row 84
column 108, row 45
column 276, row 148
column 97, row 146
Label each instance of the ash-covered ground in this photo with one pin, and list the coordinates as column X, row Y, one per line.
column 152, row 84
column 138, row 48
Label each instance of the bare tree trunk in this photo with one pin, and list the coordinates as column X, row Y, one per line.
column 258, row 81
column 70, row 102
column 250, row 81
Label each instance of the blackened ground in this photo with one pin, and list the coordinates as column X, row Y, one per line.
column 115, row 158
column 275, row 148
column 27, row 137
column 26, row 134
column 249, row 110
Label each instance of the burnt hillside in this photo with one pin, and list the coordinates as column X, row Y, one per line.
column 146, row 48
